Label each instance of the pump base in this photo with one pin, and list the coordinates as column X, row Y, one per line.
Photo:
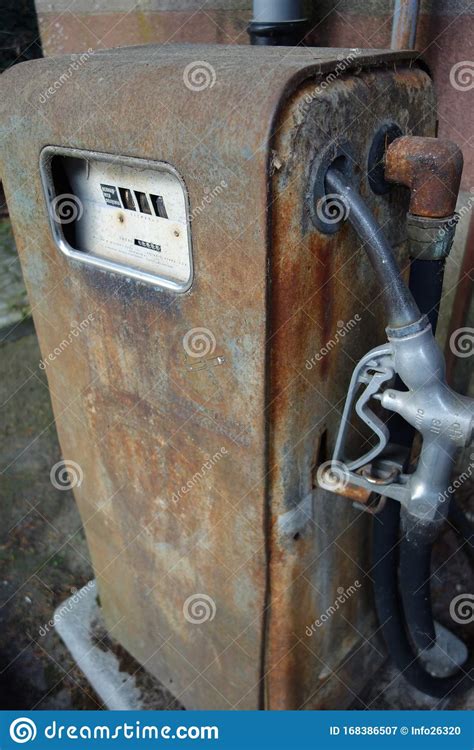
column 120, row 683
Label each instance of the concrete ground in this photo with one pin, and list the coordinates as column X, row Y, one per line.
column 43, row 554
column 44, row 558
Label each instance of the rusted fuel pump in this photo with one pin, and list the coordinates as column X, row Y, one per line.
column 176, row 199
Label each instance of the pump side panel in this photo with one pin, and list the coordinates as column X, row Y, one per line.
column 325, row 314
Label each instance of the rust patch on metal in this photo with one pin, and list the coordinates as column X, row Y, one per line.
column 357, row 494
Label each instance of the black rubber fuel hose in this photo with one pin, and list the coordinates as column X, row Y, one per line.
column 390, row 612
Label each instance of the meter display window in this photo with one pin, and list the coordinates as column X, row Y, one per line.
column 127, row 216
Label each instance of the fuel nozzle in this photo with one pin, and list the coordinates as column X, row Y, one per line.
column 419, row 398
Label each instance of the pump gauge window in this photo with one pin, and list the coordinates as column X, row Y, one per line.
column 127, row 216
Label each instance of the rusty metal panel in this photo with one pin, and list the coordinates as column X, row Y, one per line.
column 198, row 471
column 324, row 293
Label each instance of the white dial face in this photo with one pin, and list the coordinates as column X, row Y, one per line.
column 131, row 214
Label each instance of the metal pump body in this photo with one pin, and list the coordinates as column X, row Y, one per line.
column 199, row 463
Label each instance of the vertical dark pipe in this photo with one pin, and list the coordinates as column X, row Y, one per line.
column 278, row 23
column 405, row 22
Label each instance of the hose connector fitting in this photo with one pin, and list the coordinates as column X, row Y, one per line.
column 429, row 238
column 431, row 168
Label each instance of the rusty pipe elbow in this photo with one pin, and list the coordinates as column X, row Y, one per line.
column 431, row 168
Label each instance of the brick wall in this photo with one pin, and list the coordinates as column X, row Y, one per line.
column 445, row 37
